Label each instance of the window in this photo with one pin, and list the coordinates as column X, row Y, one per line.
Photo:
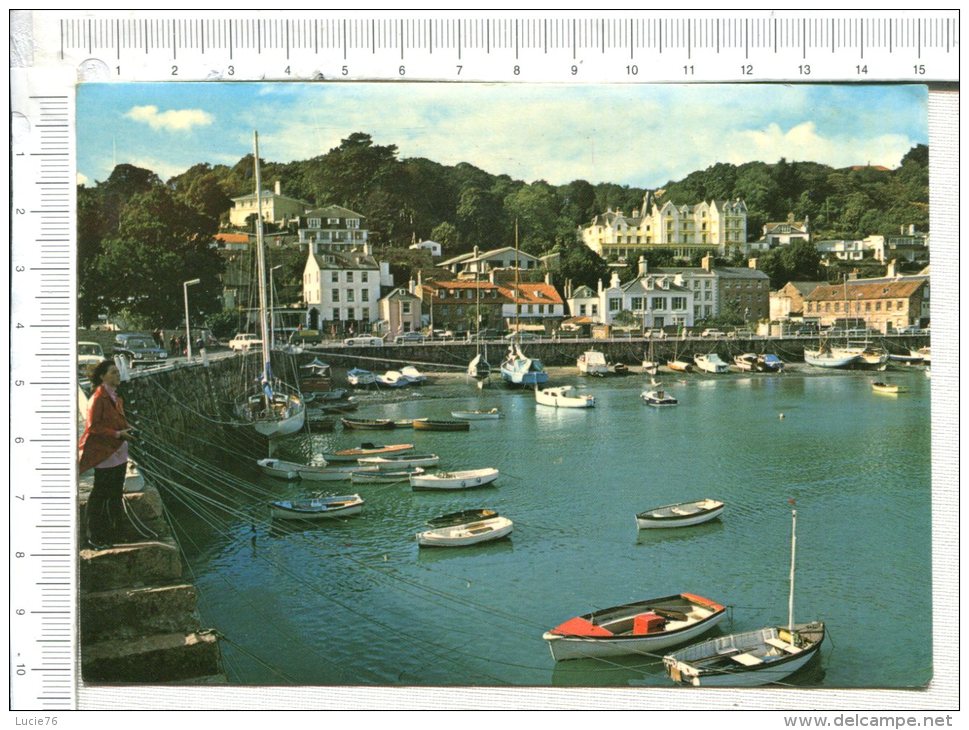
column 531, row 309
column 878, row 306
column 581, row 310
column 657, row 303
column 313, row 223
column 637, row 304
column 888, row 305
column 405, row 307
column 336, row 315
column 365, row 313
column 595, row 310
column 335, row 295
column 333, row 222
column 350, row 296
column 707, row 296
column 353, row 222
column 335, row 276
column 351, row 313
column 615, row 304
column 679, row 303
column 365, row 295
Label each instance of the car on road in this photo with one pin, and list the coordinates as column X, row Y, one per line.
column 912, row 329
column 712, row 333
column 367, row 341
column 138, row 348
column 88, row 354
column 656, row 334
column 408, row 338
column 442, row 335
column 244, row 341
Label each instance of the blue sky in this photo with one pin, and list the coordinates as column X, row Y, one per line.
column 640, row 135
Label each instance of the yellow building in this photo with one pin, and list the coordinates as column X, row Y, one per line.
column 717, row 226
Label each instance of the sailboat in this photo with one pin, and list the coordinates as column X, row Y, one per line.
column 271, row 407
column 516, row 368
column 750, row 658
column 478, row 368
column 650, row 363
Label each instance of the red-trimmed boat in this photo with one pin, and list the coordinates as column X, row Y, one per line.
column 635, row 628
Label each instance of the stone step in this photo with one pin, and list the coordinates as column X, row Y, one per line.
column 130, row 566
column 130, row 612
column 143, row 503
column 157, row 658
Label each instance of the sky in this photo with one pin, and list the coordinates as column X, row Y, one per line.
column 641, row 135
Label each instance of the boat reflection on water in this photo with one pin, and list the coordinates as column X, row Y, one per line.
column 472, row 553
column 681, row 536
column 618, row 671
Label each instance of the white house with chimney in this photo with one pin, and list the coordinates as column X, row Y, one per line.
column 276, row 207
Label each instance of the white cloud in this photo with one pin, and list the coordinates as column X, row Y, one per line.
column 172, row 120
column 82, row 179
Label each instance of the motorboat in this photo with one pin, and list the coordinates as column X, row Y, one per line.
column 455, row 479
column 682, row 514
column 316, row 508
column 470, row 533
column 658, row 397
column 563, row 397
column 643, row 627
column 768, row 363
column 593, row 362
column 359, row 378
column 412, row 375
column 747, row 362
column 710, row 363
column 392, row 379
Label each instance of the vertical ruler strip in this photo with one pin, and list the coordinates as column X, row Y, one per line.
column 42, row 448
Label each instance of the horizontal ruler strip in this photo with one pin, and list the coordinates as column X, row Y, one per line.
column 891, row 45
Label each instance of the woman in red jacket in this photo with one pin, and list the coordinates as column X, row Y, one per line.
column 104, row 445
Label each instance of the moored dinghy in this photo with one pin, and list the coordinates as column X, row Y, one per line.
column 887, row 388
column 375, row 475
column 469, row 533
column 658, row 397
column 462, row 517
column 455, row 479
column 634, row 628
column 368, row 424
column 400, row 461
column 365, row 449
column 477, row 415
column 429, row 424
column 680, row 515
column 317, row 508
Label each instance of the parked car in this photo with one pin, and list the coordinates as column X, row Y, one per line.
column 656, row 334
column 138, row 348
column 88, row 354
column 244, row 341
column 912, row 329
column 442, row 335
column 712, row 333
column 409, row 337
column 366, row 341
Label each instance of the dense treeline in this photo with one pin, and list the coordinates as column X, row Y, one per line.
column 134, row 217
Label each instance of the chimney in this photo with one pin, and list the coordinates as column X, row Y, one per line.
column 410, row 284
column 614, row 280
column 706, row 263
column 548, row 278
column 752, row 264
column 279, row 188
column 600, row 286
column 642, row 266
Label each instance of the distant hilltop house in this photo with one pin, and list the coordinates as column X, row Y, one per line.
column 276, row 207
column 780, row 233
column 432, row 247
column 332, row 228
column 885, row 304
column 680, row 296
column 717, row 227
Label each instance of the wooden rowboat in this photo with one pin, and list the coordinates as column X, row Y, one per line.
column 368, row 424
column 454, row 479
column 470, row 533
column 373, row 475
column 478, row 415
column 635, row 628
column 317, row 507
column 462, row 517
column 365, row 449
column 427, row 424
column 679, row 515
column 887, row 388
column 396, row 462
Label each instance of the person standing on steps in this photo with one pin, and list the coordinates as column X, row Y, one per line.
column 104, row 446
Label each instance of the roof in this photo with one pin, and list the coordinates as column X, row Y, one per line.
column 672, row 285
column 740, row 272
column 345, row 260
column 268, row 194
column 401, row 292
column 331, row 211
column 532, row 293
column 232, row 237
column 883, row 289
column 583, row 292
column 460, row 286
column 804, row 287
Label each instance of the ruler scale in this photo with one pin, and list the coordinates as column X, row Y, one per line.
column 582, row 47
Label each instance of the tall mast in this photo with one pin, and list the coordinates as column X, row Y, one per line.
column 261, row 263
column 790, row 600
column 518, row 332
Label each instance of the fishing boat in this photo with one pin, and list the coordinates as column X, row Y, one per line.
column 271, row 407
column 592, row 362
column 359, row 378
column 365, row 449
column 392, row 379
column 462, row 517
column 470, row 533
column 381, row 476
column 317, row 508
column 428, row 424
column 455, row 479
column 279, row 468
column 747, row 362
column 368, row 424
column 400, row 461
column 658, row 397
column 683, row 514
column 564, row 396
column 887, row 388
column 750, row 658
column 642, row 627
column 412, row 375
column 768, row 363
column 492, row 414
column 710, row 363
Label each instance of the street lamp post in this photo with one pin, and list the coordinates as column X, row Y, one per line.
column 272, row 320
column 188, row 330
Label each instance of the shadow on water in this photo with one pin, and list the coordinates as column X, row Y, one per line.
column 432, row 555
column 679, row 534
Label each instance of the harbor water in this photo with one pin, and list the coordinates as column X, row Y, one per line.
column 357, row 602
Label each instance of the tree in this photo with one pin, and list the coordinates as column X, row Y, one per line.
column 447, row 235
column 536, row 208
column 580, row 265
column 480, row 219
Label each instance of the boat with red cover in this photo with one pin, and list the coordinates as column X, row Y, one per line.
column 635, row 628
